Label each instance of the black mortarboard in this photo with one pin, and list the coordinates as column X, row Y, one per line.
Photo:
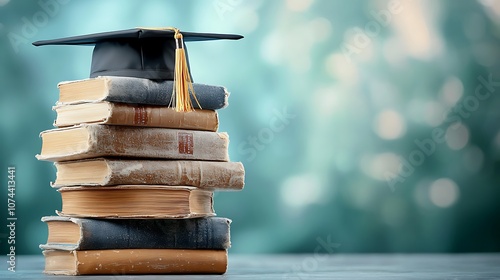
column 151, row 53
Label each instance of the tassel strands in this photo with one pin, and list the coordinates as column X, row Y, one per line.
column 183, row 86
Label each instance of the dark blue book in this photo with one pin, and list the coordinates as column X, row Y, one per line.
column 137, row 91
column 66, row 233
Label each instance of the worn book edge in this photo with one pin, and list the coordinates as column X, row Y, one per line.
column 237, row 183
column 139, row 216
column 92, row 130
column 80, row 221
column 108, row 80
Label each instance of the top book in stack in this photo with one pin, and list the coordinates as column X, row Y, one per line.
column 137, row 90
column 152, row 54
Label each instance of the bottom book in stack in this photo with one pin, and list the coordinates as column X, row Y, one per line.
column 81, row 246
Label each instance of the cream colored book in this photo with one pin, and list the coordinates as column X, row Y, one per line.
column 112, row 171
column 136, row 201
column 96, row 140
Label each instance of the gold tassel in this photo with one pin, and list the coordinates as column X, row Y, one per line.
column 183, row 85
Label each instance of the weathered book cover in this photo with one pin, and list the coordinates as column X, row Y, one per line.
column 112, row 171
column 101, row 234
column 95, row 140
column 134, row 115
column 137, row 90
column 135, row 261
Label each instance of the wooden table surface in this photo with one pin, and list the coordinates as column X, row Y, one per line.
column 334, row 266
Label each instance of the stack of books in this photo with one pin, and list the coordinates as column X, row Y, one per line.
column 136, row 180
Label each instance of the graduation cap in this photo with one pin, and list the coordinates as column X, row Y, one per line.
column 151, row 53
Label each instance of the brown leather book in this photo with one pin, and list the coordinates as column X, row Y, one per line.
column 135, row 261
column 135, row 115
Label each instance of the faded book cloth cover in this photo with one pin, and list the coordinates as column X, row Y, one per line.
column 98, row 140
column 111, row 171
column 100, row 234
column 104, row 112
column 154, row 92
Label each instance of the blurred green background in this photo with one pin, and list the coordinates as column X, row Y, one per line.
column 372, row 125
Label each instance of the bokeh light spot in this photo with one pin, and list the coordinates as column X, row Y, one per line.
column 434, row 113
column 452, row 91
column 457, row 136
column 298, row 5
column 300, row 191
column 444, row 192
column 389, row 125
column 381, row 165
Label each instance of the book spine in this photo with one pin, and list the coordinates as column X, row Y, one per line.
column 197, row 233
column 144, row 91
column 153, row 116
column 201, row 174
column 166, row 262
column 134, row 261
column 142, row 142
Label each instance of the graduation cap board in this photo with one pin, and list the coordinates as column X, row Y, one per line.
column 151, row 53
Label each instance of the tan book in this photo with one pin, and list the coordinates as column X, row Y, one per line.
column 134, row 115
column 136, row 201
column 135, row 261
column 111, row 171
column 96, row 140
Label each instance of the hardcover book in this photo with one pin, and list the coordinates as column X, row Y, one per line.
column 137, row 90
column 135, row 261
column 136, row 201
column 120, row 215
column 134, row 115
column 95, row 140
column 66, row 233
column 113, row 171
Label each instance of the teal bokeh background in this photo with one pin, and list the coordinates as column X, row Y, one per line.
column 368, row 124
